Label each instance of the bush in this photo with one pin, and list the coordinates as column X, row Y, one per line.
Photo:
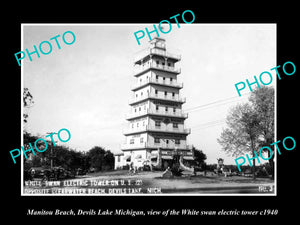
column 126, row 167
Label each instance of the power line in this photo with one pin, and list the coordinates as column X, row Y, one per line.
column 205, row 106
column 196, row 130
column 212, row 104
column 209, row 124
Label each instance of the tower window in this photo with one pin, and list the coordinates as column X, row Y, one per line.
column 177, row 141
column 167, row 141
column 157, row 123
column 175, row 125
column 141, row 140
column 157, row 107
column 157, row 62
column 166, row 92
column 156, row 92
column 131, row 141
column 167, row 109
column 156, row 140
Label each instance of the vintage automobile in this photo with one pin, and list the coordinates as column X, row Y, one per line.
column 55, row 173
column 38, row 173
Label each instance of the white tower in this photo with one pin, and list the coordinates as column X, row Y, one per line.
column 156, row 121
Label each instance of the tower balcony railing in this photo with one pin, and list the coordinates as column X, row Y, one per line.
column 160, row 96
column 170, row 145
column 170, row 113
column 162, row 145
column 152, row 65
column 155, row 51
column 169, row 129
column 152, row 80
column 153, row 128
column 165, row 53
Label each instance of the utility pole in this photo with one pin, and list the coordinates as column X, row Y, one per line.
column 51, row 151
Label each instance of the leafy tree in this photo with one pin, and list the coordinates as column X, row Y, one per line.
column 100, row 159
column 61, row 155
column 199, row 157
column 96, row 157
column 242, row 134
column 109, row 160
column 262, row 100
column 27, row 103
column 29, row 138
column 68, row 158
column 251, row 126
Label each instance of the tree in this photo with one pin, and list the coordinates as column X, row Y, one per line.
column 199, row 157
column 262, row 100
column 36, row 162
column 109, row 160
column 96, row 157
column 27, row 103
column 100, row 159
column 27, row 137
column 242, row 133
column 61, row 155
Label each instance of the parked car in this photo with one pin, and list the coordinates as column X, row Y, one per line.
column 247, row 173
column 38, row 173
column 60, row 173
column 56, row 173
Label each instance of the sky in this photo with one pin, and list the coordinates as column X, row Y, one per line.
column 85, row 86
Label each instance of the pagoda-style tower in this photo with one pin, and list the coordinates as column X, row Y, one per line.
column 156, row 122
